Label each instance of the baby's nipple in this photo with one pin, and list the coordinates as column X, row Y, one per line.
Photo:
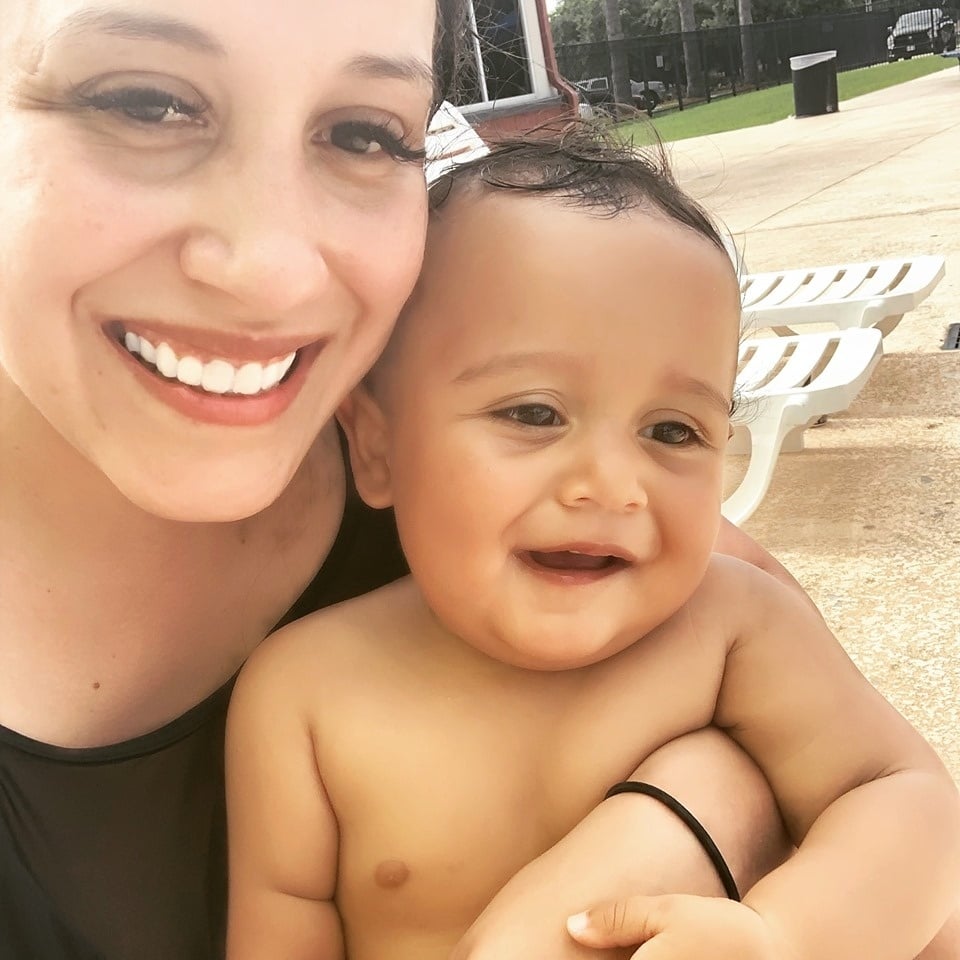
column 391, row 874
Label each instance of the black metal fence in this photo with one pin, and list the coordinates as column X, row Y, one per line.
column 701, row 66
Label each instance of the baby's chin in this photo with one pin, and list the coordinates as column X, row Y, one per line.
column 552, row 651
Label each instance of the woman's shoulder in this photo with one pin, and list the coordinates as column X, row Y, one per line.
column 365, row 555
column 736, row 598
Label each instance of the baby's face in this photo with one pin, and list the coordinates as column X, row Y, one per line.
column 556, row 409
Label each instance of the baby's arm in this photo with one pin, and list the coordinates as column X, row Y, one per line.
column 282, row 832
column 633, row 843
column 874, row 812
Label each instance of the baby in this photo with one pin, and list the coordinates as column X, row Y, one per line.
column 549, row 424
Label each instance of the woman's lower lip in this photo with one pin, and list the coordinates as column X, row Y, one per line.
column 231, row 410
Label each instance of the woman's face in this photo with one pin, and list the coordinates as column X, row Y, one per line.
column 212, row 213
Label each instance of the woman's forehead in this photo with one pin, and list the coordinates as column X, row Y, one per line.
column 393, row 26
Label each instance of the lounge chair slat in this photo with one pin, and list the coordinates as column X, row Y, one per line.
column 763, row 356
column 788, row 283
column 807, row 354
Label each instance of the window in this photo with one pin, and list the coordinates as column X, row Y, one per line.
column 507, row 54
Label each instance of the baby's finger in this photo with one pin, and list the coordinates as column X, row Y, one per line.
column 623, row 923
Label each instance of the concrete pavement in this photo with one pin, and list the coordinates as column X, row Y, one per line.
column 868, row 517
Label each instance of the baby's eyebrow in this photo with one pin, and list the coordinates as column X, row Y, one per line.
column 508, row 362
column 132, row 25
column 700, row 388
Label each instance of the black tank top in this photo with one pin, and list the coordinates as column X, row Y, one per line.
column 119, row 852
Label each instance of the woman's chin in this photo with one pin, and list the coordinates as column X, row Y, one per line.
column 205, row 496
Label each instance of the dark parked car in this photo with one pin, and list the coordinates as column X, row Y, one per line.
column 920, row 31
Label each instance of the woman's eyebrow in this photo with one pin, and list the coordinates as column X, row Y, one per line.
column 411, row 69
column 137, row 26
column 131, row 25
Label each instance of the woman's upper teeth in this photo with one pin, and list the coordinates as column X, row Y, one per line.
column 213, row 376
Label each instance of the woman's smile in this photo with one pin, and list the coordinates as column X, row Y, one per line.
column 230, row 390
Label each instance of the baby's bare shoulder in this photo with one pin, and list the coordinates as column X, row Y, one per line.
column 308, row 660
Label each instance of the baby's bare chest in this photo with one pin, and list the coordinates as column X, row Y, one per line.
column 442, row 796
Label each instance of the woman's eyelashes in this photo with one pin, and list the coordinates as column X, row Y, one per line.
column 371, row 138
column 145, row 106
column 151, row 108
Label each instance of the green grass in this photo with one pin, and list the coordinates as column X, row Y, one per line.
column 776, row 103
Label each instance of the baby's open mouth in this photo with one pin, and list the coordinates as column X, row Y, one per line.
column 217, row 375
column 573, row 561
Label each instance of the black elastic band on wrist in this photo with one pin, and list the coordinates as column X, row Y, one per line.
column 696, row 827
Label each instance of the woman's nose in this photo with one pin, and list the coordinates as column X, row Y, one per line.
column 605, row 473
column 259, row 238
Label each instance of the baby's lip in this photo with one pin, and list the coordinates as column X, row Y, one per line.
column 580, row 557
column 208, row 344
column 618, row 551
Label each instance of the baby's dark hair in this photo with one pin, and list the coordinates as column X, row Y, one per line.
column 584, row 164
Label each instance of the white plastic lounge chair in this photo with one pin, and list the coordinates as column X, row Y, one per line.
column 785, row 384
column 875, row 294
column 451, row 140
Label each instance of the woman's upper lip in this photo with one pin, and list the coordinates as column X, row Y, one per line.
column 213, row 343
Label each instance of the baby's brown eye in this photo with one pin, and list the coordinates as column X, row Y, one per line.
column 533, row 415
column 672, row 433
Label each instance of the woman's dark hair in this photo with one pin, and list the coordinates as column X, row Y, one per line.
column 448, row 47
column 586, row 164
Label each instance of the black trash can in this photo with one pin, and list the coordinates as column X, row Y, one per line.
column 814, row 83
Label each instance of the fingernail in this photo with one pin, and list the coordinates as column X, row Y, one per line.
column 578, row 923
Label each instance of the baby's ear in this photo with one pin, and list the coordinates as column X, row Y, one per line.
column 365, row 425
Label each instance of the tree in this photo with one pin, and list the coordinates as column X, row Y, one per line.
column 583, row 21
column 619, row 67
column 578, row 21
column 696, row 86
column 745, row 17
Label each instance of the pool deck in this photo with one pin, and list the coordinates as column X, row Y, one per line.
column 868, row 516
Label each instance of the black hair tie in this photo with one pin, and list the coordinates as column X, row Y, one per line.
column 696, row 827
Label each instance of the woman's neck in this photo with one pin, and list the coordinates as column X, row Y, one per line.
column 115, row 621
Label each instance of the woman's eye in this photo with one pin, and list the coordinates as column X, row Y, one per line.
column 369, row 139
column 673, row 433
column 532, row 415
column 145, row 105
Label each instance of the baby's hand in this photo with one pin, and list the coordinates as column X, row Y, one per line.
column 525, row 919
column 680, row 927
column 522, row 926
